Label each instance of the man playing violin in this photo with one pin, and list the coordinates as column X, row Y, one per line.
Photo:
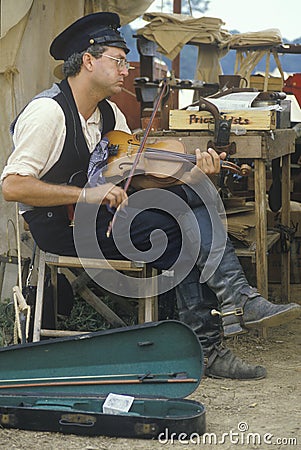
column 59, row 137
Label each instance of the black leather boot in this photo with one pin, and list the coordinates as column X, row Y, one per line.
column 222, row 363
column 242, row 306
column 195, row 303
column 254, row 311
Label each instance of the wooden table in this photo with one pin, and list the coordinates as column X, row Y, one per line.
column 261, row 146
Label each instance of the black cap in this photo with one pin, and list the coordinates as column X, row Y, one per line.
column 97, row 28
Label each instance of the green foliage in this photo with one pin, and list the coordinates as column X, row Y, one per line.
column 196, row 5
column 189, row 7
column 83, row 317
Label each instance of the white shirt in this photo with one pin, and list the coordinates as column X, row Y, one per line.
column 39, row 136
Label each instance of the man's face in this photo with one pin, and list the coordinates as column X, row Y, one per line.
column 109, row 70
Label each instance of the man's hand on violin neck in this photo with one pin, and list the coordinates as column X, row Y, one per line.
column 209, row 162
column 107, row 194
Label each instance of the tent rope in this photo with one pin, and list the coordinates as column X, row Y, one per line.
column 9, row 75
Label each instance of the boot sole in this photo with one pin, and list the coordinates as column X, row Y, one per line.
column 276, row 319
column 216, row 377
column 231, row 331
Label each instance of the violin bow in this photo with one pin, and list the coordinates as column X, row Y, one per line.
column 163, row 86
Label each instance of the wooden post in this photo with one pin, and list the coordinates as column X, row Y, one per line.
column 285, row 220
column 177, row 8
column 261, row 227
column 267, row 70
column 39, row 298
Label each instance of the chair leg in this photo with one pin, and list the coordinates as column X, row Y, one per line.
column 154, row 274
column 148, row 305
column 54, row 284
column 39, row 298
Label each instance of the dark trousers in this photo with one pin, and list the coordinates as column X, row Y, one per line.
column 52, row 232
column 51, row 229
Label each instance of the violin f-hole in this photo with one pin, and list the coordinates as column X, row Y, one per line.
column 113, row 149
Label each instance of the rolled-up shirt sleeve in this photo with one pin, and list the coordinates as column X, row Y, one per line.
column 38, row 139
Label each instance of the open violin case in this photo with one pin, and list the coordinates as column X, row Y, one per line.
column 61, row 384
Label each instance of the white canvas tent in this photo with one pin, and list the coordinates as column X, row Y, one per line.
column 27, row 28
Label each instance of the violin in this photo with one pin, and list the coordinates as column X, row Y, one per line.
column 161, row 164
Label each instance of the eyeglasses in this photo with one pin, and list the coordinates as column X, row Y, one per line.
column 121, row 62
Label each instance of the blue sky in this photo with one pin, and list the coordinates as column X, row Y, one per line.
column 254, row 15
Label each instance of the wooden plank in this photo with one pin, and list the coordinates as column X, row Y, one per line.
column 61, row 333
column 248, row 146
column 274, row 83
column 272, row 238
column 254, row 144
column 279, row 143
column 202, row 120
column 92, row 263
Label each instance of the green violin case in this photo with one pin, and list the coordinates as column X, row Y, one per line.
column 61, row 385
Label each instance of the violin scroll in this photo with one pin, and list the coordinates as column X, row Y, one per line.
column 244, row 170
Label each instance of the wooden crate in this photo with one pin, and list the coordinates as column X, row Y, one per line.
column 202, row 120
column 274, row 83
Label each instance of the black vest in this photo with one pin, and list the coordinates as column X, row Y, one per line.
column 75, row 154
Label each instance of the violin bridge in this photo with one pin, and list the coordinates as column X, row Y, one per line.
column 129, row 152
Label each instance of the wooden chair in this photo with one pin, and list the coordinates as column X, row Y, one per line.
column 147, row 306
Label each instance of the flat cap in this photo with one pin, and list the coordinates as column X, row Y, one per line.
column 98, row 28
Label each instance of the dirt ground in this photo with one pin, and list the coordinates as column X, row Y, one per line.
column 259, row 414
